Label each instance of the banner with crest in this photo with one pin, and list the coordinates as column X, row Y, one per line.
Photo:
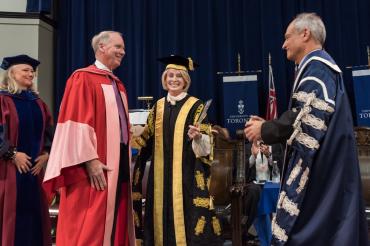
column 240, row 96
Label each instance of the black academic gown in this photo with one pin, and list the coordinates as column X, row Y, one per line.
column 177, row 208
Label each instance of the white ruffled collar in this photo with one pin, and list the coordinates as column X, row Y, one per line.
column 174, row 99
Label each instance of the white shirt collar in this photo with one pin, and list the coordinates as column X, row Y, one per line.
column 174, row 99
column 101, row 66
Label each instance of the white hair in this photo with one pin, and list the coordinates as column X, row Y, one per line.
column 312, row 22
column 101, row 38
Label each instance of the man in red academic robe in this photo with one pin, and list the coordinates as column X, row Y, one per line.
column 89, row 160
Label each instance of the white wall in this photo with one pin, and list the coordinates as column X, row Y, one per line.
column 13, row 5
column 32, row 37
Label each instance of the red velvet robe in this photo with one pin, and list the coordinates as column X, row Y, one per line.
column 88, row 128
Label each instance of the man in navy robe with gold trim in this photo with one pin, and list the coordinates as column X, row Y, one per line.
column 178, row 208
column 320, row 199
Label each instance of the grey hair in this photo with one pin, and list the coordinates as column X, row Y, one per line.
column 8, row 83
column 185, row 76
column 312, row 22
column 101, row 38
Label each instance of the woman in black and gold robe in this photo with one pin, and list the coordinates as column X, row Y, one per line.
column 178, row 208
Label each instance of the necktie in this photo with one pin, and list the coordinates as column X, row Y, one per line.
column 122, row 114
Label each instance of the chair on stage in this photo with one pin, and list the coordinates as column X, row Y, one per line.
column 228, row 182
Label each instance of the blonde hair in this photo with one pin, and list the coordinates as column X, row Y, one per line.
column 101, row 38
column 8, row 83
column 185, row 75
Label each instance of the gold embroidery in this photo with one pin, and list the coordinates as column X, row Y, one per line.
column 137, row 176
column 296, row 170
column 303, row 180
column 314, row 122
column 197, row 113
column 201, row 202
column 205, row 128
column 216, row 226
column 199, row 228
column 281, row 198
column 136, row 196
column 200, row 180
column 290, row 206
column 307, row 141
column 316, row 103
column 136, row 219
column 278, row 232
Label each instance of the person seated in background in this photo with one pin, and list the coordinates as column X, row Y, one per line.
column 267, row 160
column 260, row 158
column 25, row 139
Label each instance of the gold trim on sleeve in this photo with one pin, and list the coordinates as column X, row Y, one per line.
column 216, row 226
column 294, row 173
column 314, row 122
column 199, row 228
column 307, row 141
column 279, row 232
column 317, row 103
column 303, row 180
column 201, row 202
column 199, row 178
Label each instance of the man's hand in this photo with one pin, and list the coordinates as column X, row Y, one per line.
column 252, row 128
column 41, row 161
column 95, row 169
column 22, row 162
column 194, row 132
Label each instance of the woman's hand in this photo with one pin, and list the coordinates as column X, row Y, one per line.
column 194, row 132
column 22, row 162
column 40, row 161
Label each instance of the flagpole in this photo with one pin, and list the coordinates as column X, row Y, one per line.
column 269, row 59
column 239, row 71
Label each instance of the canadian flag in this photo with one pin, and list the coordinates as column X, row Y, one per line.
column 271, row 112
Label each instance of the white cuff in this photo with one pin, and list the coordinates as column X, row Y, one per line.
column 201, row 146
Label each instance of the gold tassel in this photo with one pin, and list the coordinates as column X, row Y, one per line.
column 191, row 65
column 211, row 205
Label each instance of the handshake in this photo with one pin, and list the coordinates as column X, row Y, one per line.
column 252, row 128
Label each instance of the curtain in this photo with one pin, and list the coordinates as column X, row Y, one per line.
column 212, row 32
